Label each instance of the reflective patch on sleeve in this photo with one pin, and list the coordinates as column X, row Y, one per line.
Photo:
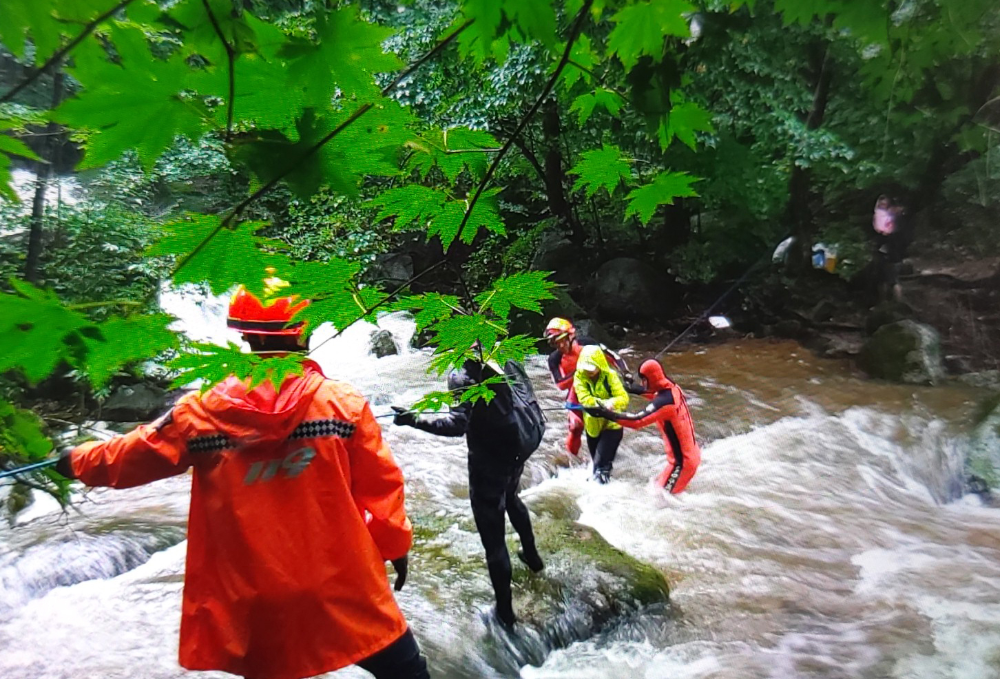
column 310, row 429
column 209, row 444
column 314, row 429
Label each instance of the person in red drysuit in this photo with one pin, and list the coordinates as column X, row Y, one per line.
column 669, row 411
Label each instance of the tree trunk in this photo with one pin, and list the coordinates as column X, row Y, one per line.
column 43, row 173
column 555, row 175
column 799, row 215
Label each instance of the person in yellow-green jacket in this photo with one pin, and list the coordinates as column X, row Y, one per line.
column 598, row 386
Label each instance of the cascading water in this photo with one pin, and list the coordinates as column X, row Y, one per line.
column 825, row 535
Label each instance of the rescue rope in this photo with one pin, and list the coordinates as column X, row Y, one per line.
column 705, row 314
column 29, row 468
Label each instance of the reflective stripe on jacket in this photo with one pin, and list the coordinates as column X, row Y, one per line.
column 296, row 503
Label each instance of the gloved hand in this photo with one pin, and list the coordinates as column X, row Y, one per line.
column 401, row 566
column 65, row 466
column 601, row 411
column 404, row 417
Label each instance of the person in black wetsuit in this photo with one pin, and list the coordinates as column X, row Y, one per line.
column 497, row 453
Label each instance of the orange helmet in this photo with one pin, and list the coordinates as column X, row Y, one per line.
column 272, row 316
column 559, row 328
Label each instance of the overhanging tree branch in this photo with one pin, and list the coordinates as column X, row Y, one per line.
column 69, row 47
column 573, row 34
column 238, row 210
column 231, row 57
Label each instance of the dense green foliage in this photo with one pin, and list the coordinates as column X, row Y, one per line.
column 224, row 137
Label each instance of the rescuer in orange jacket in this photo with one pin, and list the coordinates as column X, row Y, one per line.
column 296, row 505
column 561, row 335
column 669, row 411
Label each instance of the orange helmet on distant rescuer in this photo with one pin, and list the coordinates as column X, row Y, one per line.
column 558, row 328
column 249, row 314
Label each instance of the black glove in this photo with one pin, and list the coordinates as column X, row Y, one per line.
column 601, row 411
column 64, row 466
column 404, row 417
column 401, row 566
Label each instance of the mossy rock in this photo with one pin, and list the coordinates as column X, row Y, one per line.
column 906, row 352
column 983, row 461
column 587, row 584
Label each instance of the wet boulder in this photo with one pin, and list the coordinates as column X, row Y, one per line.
column 136, row 403
column 382, row 343
column 587, row 585
column 905, row 351
column 628, row 289
column 983, row 461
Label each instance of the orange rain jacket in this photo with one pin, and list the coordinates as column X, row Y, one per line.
column 296, row 504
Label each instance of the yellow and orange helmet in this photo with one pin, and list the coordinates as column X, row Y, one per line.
column 271, row 316
column 559, row 329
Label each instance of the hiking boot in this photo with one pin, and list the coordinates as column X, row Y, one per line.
column 531, row 560
column 602, row 477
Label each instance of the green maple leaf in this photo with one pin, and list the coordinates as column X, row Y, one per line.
column 641, row 28
column 432, row 306
column 585, row 104
column 581, row 53
column 432, row 150
column 330, row 286
column 537, row 20
column 683, row 121
column 37, row 332
column 644, row 200
column 140, row 104
column 447, row 222
column 232, row 256
column 19, row 18
column 346, row 53
column 605, row 167
column 21, row 434
column 869, row 21
column 522, row 290
column 410, row 203
column 213, row 364
column 433, row 401
column 514, row 348
column 477, row 39
column 14, row 147
column 124, row 340
column 800, row 11
column 369, row 147
column 455, row 336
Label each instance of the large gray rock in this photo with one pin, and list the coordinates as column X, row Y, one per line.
column 391, row 269
column 983, row 461
column 628, row 289
column 905, row 351
column 382, row 343
column 586, row 586
column 135, row 403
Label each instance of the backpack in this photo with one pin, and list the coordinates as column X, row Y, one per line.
column 526, row 414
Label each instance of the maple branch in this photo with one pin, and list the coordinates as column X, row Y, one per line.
column 238, row 210
column 599, row 78
column 69, row 47
column 231, row 57
column 573, row 34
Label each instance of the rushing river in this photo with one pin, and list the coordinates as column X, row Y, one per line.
column 825, row 535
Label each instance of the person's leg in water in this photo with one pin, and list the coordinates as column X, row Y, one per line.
column 521, row 520
column 399, row 660
column 487, row 497
column 604, row 450
column 575, row 434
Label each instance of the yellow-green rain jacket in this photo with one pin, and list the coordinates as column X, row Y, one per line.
column 605, row 390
